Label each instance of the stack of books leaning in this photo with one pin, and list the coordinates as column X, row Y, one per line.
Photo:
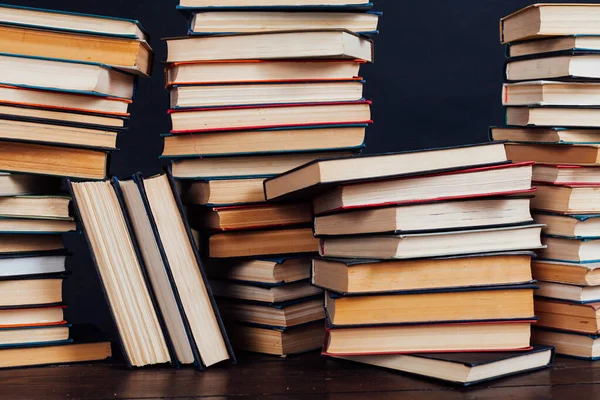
column 424, row 252
column 66, row 81
column 552, row 97
column 257, row 89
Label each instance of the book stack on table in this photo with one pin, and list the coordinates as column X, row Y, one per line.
column 553, row 98
column 424, row 252
column 66, row 81
column 256, row 89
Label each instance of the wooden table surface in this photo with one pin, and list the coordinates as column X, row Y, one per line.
column 307, row 376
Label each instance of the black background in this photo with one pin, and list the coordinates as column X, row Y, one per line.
column 436, row 81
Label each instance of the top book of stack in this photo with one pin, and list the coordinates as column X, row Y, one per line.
column 276, row 4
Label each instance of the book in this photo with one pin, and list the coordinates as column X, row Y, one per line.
column 568, row 316
column 35, row 263
column 185, row 269
column 263, row 243
column 63, row 100
column 88, row 344
column 544, row 93
column 545, row 135
column 470, row 213
column 402, row 339
column 51, row 133
column 421, row 245
column 32, row 316
column 333, row 43
column 321, row 175
column 269, row 116
column 452, row 185
column 565, row 199
column 253, row 71
column 569, row 343
column 21, row 291
column 36, row 225
column 574, row 226
column 70, row 22
column 42, row 334
column 65, row 76
column 191, row 96
column 509, row 302
column 285, row 315
column 562, row 291
column 26, row 157
column 463, row 369
column 554, row 153
column 131, row 55
column 552, row 44
column 553, row 116
column 18, row 244
column 248, row 166
column 278, row 341
column 21, row 184
column 119, row 268
column 63, row 117
column 51, row 207
column 211, row 22
column 274, row 141
column 269, row 4
column 349, row 276
column 251, row 217
column 225, row 192
column 541, row 20
column 270, row 271
column 566, row 272
column 263, row 293
column 575, row 64
column 565, row 174
column 570, row 249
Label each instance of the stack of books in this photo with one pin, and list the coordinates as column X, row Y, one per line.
column 424, row 252
column 66, row 81
column 552, row 97
column 259, row 88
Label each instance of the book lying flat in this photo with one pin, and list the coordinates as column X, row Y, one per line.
column 333, row 43
column 566, row 174
column 570, row 344
column 573, row 226
column 225, row 192
column 566, row 272
column 63, row 117
column 574, row 293
column 261, row 71
column 71, row 22
column 461, row 214
column 16, row 225
column 212, row 22
column 324, row 174
column 37, row 334
column 50, row 207
column 508, row 302
column 21, row 291
column 87, row 344
column 349, row 276
column 545, row 135
column 276, row 340
column 283, row 315
column 35, row 263
column 563, row 65
column 131, row 55
column 567, row 199
column 463, row 369
column 568, row 316
column 271, row 271
column 541, row 20
column 22, row 244
column 561, row 248
column 277, row 4
column 567, row 116
column 22, row 184
column 436, row 244
column 191, row 96
column 548, row 93
column 243, row 118
column 32, row 316
column 263, row 293
column 500, row 336
column 553, row 45
column 459, row 184
column 582, row 155
column 51, row 74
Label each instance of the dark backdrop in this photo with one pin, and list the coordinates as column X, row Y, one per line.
column 435, row 82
